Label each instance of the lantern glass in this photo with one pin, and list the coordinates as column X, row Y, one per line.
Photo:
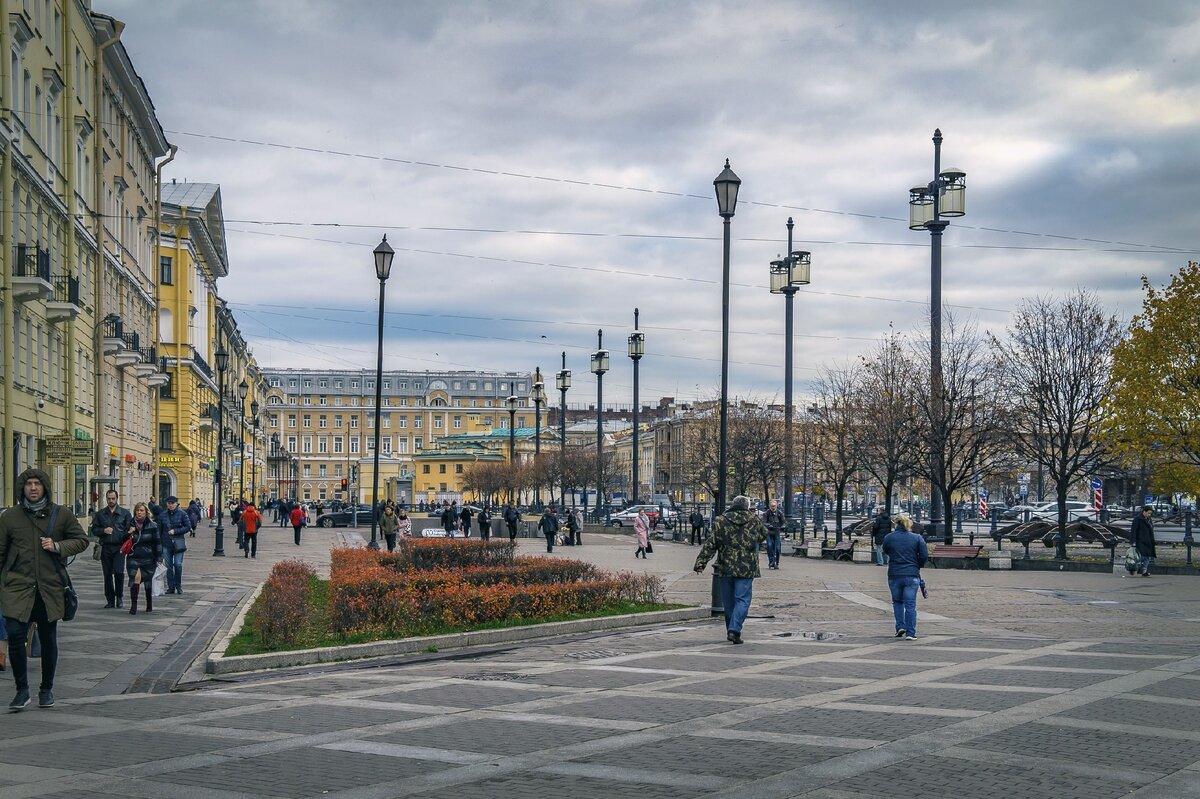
column 953, row 201
column 920, row 207
column 727, row 185
column 563, row 380
column 243, row 389
column 511, row 403
column 637, row 344
column 779, row 276
column 222, row 359
column 254, row 408
column 801, row 268
column 383, row 259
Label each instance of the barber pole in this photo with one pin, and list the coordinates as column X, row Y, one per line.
column 983, row 509
column 1097, row 496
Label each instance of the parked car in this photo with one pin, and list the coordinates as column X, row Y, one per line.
column 436, row 513
column 1017, row 512
column 626, row 517
column 1076, row 511
column 345, row 518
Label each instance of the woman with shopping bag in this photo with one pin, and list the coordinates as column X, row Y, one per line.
column 144, row 556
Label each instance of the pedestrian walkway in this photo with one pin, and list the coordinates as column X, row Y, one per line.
column 1029, row 685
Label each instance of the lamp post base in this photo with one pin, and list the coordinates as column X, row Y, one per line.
column 373, row 545
column 219, row 543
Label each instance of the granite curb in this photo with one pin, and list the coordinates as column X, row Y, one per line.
column 217, row 664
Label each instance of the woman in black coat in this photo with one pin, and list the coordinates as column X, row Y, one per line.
column 1141, row 535
column 146, row 555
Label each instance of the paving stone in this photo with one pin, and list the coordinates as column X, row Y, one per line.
column 779, row 686
column 944, row 654
column 495, row 736
column 1183, row 650
column 722, row 757
column 301, row 772
column 314, row 686
column 846, row 723
column 476, row 695
column 589, row 678
column 693, row 662
column 175, row 706
column 1100, row 747
column 27, row 724
column 949, row 777
column 856, row 668
column 1131, row 711
column 1174, row 688
column 310, row 719
column 113, row 749
column 1033, row 679
column 639, row 708
column 90, row 793
column 555, row 786
column 951, row 698
column 1010, row 644
column 1094, row 662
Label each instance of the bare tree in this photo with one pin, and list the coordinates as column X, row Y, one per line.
column 889, row 411
column 835, row 447
column 1058, row 358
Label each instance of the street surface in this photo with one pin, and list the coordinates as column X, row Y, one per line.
column 1023, row 684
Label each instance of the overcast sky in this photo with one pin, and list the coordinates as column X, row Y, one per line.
column 541, row 168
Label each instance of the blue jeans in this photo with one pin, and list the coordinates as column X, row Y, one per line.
column 736, row 593
column 880, row 558
column 904, row 602
column 773, row 547
column 174, row 564
column 1144, row 565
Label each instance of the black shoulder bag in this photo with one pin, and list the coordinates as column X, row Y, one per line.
column 70, row 598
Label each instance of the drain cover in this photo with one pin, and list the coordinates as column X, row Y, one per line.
column 594, row 654
column 810, row 636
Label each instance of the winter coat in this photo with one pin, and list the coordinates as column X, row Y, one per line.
column 697, row 519
column 572, row 523
column 1141, row 535
column 119, row 519
column 193, row 512
column 449, row 519
column 774, row 521
column 176, row 520
column 548, row 524
column 404, row 527
column 512, row 515
column 641, row 526
column 907, row 553
column 734, row 541
column 389, row 523
column 465, row 514
column 297, row 517
column 880, row 528
column 147, row 550
column 251, row 520
column 26, row 569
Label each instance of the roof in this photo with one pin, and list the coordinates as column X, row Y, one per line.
column 206, row 221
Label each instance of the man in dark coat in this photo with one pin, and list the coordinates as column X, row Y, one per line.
column 736, row 536
column 112, row 525
column 774, row 521
column 465, row 517
column 449, row 519
column 548, row 524
column 173, row 527
column 697, row 520
column 33, row 576
column 880, row 527
column 511, row 517
column 1141, row 536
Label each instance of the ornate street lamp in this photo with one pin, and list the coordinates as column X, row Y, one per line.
column 787, row 276
column 538, row 395
column 637, row 348
column 944, row 196
column 383, row 269
column 253, row 438
column 600, row 364
column 222, row 358
column 562, row 381
column 511, row 404
column 727, row 185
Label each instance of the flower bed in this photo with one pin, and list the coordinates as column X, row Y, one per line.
column 430, row 586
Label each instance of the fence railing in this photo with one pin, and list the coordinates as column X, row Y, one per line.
column 66, row 289
column 31, row 262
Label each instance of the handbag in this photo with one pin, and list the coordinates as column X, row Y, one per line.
column 179, row 543
column 127, row 546
column 70, row 598
column 649, row 547
column 96, row 551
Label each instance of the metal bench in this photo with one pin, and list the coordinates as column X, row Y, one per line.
column 843, row 550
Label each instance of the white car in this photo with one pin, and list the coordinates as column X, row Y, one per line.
column 1076, row 511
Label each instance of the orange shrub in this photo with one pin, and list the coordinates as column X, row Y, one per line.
column 284, row 602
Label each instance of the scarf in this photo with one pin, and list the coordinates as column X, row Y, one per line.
column 35, row 507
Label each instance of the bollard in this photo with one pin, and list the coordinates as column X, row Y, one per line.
column 995, row 521
column 1026, row 550
column 717, row 606
column 959, row 512
column 1187, row 534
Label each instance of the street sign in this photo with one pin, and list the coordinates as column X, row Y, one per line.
column 64, row 450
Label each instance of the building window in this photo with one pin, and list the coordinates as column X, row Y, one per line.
column 488, row 421
column 321, row 470
column 417, row 422
column 307, row 422
column 308, row 384
column 323, row 445
column 387, row 421
column 322, row 422
column 437, row 421
column 353, row 445
column 166, row 270
column 441, row 468
column 457, row 385
column 353, row 422
column 402, row 422
column 166, row 437
column 458, row 468
column 417, row 444
column 307, row 470
column 291, row 420
column 291, row 445
column 457, row 422
column 337, row 445
column 425, row 469
column 306, row 443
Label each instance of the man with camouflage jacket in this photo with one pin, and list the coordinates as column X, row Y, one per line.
column 734, row 541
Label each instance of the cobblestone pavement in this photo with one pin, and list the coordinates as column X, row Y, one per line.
column 1026, row 684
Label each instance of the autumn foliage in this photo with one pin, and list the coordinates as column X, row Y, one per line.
column 284, row 602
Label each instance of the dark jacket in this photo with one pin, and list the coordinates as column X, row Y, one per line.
column 465, row 514
column 548, row 524
column 147, row 550
column 449, row 519
column 512, row 515
column 697, row 519
column 907, row 553
column 119, row 519
column 194, row 513
column 572, row 522
column 176, row 520
column 734, row 541
column 26, row 569
column 1141, row 535
column 774, row 520
column 880, row 528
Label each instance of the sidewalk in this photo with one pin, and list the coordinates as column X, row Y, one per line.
column 1021, row 685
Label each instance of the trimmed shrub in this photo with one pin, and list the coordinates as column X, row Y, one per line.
column 284, row 602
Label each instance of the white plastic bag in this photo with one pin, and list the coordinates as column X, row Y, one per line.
column 158, row 583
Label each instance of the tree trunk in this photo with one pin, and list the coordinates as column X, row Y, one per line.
column 887, row 497
column 1060, row 549
column 837, row 510
column 947, row 513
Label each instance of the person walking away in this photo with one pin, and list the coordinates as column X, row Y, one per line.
column 907, row 554
column 774, row 521
column 548, row 525
column 697, row 520
column 298, row 518
column 465, row 517
column 734, row 541
column 111, row 526
column 388, row 524
column 173, row 527
column 880, row 527
column 578, row 514
column 193, row 512
column 35, row 537
column 572, row 528
column 511, row 517
column 449, row 519
column 146, row 555
column 1141, row 535
column 285, row 513
column 251, row 522
column 641, row 528
column 484, row 517
column 403, row 525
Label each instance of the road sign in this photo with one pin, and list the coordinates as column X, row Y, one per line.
column 64, row 450
column 1097, row 483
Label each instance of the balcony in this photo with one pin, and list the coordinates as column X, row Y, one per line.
column 112, row 338
column 201, row 364
column 208, row 418
column 65, row 304
column 31, row 274
column 132, row 351
column 148, row 364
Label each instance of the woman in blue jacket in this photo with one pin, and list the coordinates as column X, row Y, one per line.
column 906, row 553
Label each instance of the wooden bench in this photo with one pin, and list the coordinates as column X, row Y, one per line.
column 963, row 553
column 840, row 551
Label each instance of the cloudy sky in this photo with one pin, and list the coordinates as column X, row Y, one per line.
column 541, row 168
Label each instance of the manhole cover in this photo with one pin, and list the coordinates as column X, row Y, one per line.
column 501, row 677
column 594, row 654
column 810, row 636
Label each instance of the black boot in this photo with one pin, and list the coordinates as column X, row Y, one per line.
column 120, row 591
column 133, row 597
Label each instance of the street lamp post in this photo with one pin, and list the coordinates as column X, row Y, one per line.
column 539, row 397
column 787, row 276
column 637, row 348
column 600, row 365
column 944, row 196
column 242, row 390
column 562, row 382
column 383, row 268
column 511, row 404
column 253, row 439
column 222, row 364
column 726, row 185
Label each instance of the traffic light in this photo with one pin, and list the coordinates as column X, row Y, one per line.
column 343, row 483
